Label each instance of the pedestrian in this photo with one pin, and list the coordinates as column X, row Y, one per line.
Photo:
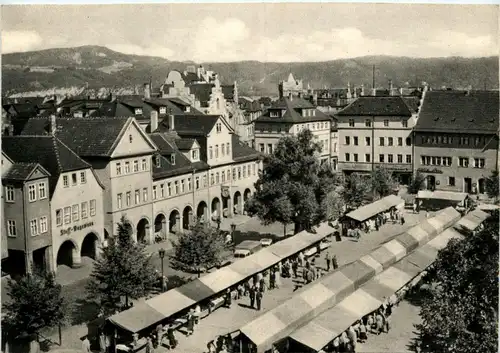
column 262, row 284
column 387, row 324
column 362, row 332
column 402, row 220
column 336, row 345
column 272, row 280
column 344, row 342
column 328, row 260
column 426, row 214
column 353, row 338
column 86, row 345
column 370, row 323
column 334, row 262
column 277, row 280
column 197, row 314
column 414, row 207
column 228, row 298
column 211, row 348
column 314, row 273
column 304, row 274
column 159, row 334
column 149, row 345
column 252, row 294
column 295, row 267
column 259, row 299
column 190, row 323
column 310, row 276
column 102, row 342
column 172, row 342
column 379, row 320
column 240, row 290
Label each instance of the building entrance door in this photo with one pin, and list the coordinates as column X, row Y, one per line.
column 468, row 185
column 431, row 182
column 481, row 186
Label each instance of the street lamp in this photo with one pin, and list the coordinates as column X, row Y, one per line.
column 218, row 220
column 161, row 253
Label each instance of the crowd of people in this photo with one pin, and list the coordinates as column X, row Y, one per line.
column 354, row 229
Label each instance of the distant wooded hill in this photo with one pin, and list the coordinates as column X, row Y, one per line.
column 100, row 67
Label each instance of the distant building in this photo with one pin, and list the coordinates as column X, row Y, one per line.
column 291, row 87
column 456, row 139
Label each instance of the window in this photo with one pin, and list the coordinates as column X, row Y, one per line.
column 197, row 183
column 368, row 123
column 43, row 225
column 162, row 190
column 59, row 221
column 451, row 181
column 130, row 137
column 74, row 179
column 137, row 195
column 234, row 173
column 92, row 208
column 400, row 141
column 118, row 169
column 210, row 153
column 404, row 123
column 228, row 149
column 163, row 110
column 216, row 151
column 75, row 212
column 355, row 140
column 367, row 158
column 347, row 140
column 42, row 191
column 10, row 193
column 390, row 158
column 189, row 184
column 223, row 177
column 239, row 173
column 12, row 228
column 479, row 163
column 218, row 127
column 65, row 181
column 408, row 158
column 127, row 167
column 261, row 147
column 144, row 164
column 172, row 159
column 204, row 181
column 85, row 209
column 217, row 178
column 463, row 162
column 128, row 199
column 136, row 166
column 386, row 123
column 381, row 158
column 390, row 141
column 212, row 180
column 351, row 122
column 408, row 141
column 381, row 141
column 32, row 193
column 400, row 158
column 270, row 148
column 34, row 227
column 355, row 157
column 347, row 157
column 145, row 194
column 183, row 185
column 367, row 141
column 194, row 155
column 244, row 171
column 176, row 183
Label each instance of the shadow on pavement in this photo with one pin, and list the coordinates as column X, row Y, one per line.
column 84, row 311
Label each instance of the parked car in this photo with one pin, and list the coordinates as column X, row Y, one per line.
column 246, row 248
column 266, row 241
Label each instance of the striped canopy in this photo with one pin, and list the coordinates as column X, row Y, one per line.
column 472, row 220
column 368, row 211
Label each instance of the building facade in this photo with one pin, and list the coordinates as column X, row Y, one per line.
column 376, row 132
column 456, row 140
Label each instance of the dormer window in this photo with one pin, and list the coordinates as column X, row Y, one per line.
column 163, row 110
column 157, row 161
column 274, row 114
column 172, row 159
column 195, row 155
column 138, row 111
column 188, row 109
column 78, row 114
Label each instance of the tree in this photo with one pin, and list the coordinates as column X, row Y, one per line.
column 460, row 310
column 382, row 182
column 293, row 184
column 334, row 205
column 492, row 185
column 417, row 182
column 199, row 249
column 123, row 270
column 35, row 303
column 355, row 190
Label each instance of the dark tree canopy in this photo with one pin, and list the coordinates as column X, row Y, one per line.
column 35, row 303
column 492, row 185
column 416, row 184
column 460, row 312
column 201, row 248
column 293, row 184
column 382, row 182
column 356, row 190
column 123, row 270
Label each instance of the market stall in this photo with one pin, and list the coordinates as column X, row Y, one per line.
column 435, row 200
column 472, row 221
column 371, row 210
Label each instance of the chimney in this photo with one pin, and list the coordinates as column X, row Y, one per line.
column 147, row 91
column 374, row 92
column 171, row 122
column 363, row 89
column 53, row 127
column 390, row 88
column 401, row 91
column 154, row 121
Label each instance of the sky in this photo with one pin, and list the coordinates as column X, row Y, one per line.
column 278, row 32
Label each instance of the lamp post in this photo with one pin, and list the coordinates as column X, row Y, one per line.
column 218, row 220
column 161, row 253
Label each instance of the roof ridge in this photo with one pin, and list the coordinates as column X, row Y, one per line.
column 56, row 150
column 73, row 152
column 120, row 135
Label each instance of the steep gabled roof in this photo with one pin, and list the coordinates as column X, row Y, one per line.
column 243, row 152
column 48, row 151
column 185, row 144
column 376, row 106
column 189, row 77
column 412, row 102
column 202, row 92
column 88, row 137
column 228, row 91
column 22, row 171
column 192, row 125
column 459, row 111
column 292, row 108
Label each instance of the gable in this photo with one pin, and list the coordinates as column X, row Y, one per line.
column 38, row 173
column 195, row 145
column 132, row 141
column 6, row 163
column 225, row 128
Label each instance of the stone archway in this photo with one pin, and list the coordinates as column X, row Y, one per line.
column 201, row 211
column 187, row 217
column 247, row 194
column 89, row 246
column 237, row 203
column 161, row 225
column 143, row 231
column 174, row 221
column 215, row 211
column 68, row 254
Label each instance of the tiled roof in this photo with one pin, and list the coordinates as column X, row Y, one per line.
column 376, row 106
column 413, row 103
column 23, row 100
column 202, row 92
column 228, row 91
column 48, row 151
column 457, row 111
column 192, row 125
column 184, row 144
column 292, row 113
column 190, row 77
column 178, row 101
column 242, row 152
column 20, row 171
column 88, row 137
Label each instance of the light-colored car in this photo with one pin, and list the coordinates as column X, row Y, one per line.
column 266, row 241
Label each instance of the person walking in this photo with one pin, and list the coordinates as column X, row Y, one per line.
column 362, row 332
column 387, row 324
column 277, row 280
column 353, row 338
column 190, row 323
column 328, row 260
column 334, row 262
column 86, row 345
column 159, row 334
column 402, row 220
column 272, row 279
column 259, row 296
column 149, row 345
column 301, row 258
column 295, row 267
column 172, row 342
column 414, row 207
column 251, row 293
column 228, row 298
column 240, row 290
column 379, row 320
column 262, row 284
